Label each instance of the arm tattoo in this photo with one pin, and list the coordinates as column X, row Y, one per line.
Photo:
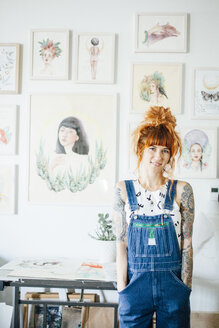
column 120, row 217
column 187, row 213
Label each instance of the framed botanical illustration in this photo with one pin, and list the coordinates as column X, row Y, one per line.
column 9, row 67
column 199, row 153
column 156, row 84
column 49, row 54
column 7, row 189
column 206, row 93
column 159, row 32
column 8, row 130
column 72, row 148
column 95, row 58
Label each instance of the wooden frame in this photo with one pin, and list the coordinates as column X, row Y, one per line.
column 49, row 54
column 160, row 32
column 9, row 68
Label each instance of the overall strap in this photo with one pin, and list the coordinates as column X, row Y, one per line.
column 170, row 195
column 131, row 195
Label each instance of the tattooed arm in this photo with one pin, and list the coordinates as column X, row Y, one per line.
column 187, row 215
column 121, row 234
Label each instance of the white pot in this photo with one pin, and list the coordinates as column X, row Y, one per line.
column 106, row 251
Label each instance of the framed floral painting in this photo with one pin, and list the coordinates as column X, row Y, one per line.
column 199, row 153
column 72, row 148
column 206, row 93
column 9, row 67
column 8, row 130
column 49, row 54
column 159, row 32
column 95, row 58
column 156, row 84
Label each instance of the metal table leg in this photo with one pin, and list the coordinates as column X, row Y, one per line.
column 16, row 307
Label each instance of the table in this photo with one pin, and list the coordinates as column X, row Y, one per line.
column 82, row 284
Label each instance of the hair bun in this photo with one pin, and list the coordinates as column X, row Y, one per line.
column 158, row 115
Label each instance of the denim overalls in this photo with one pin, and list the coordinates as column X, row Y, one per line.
column 154, row 270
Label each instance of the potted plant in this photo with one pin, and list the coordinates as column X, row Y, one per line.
column 106, row 238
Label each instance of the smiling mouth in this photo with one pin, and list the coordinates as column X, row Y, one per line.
column 156, row 164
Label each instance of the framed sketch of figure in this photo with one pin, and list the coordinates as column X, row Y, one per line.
column 199, row 152
column 206, row 93
column 8, row 129
column 72, row 148
column 49, row 51
column 95, row 58
column 156, row 84
column 9, row 67
column 159, row 32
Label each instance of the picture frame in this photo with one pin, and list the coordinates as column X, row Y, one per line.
column 199, row 153
column 9, row 68
column 85, row 173
column 156, row 84
column 7, row 189
column 160, row 32
column 8, row 130
column 49, row 54
column 95, row 58
column 206, row 93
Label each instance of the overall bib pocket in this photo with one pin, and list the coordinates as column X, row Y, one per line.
column 150, row 239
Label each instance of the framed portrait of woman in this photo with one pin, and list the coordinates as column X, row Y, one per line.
column 159, row 32
column 72, row 148
column 9, row 67
column 8, row 129
column 49, row 54
column 95, row 58
column 206, row 93
column 156, row 84
column 199, row 153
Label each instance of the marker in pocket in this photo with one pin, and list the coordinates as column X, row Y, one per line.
column 151, row 238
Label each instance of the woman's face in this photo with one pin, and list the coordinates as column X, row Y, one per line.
column 67, row 136
column 153, row 87
column 156, row 157
column 196, row 152
column 47, row 56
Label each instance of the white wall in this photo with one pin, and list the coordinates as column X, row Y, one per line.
column 62, row 230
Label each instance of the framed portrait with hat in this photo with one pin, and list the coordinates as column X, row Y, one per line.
column 206, row 93
column 199, row 153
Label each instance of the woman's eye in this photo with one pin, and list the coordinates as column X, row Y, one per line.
column 166, row 151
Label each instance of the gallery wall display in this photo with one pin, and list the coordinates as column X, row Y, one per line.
column 72, row 148
column 199, row 153
column 7, row 189
column 206, row 93
column 156, row 84
column 8, row 129
column 49, row 54
column 9, row 67
column 95, row 58
column 159, row 32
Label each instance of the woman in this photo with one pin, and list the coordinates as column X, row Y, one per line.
column 71, row 142
column 154, row 218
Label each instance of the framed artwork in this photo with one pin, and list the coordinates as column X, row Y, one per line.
column 156, row 84
column 95, row 58
column 72, row 148
column 8, row 130
column 158, row 32
column 49, row 54
column 199, row 153
column 7, row 189
column 206, row 93
column 9, row 67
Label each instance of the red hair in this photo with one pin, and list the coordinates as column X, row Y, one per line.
column 158, row 128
